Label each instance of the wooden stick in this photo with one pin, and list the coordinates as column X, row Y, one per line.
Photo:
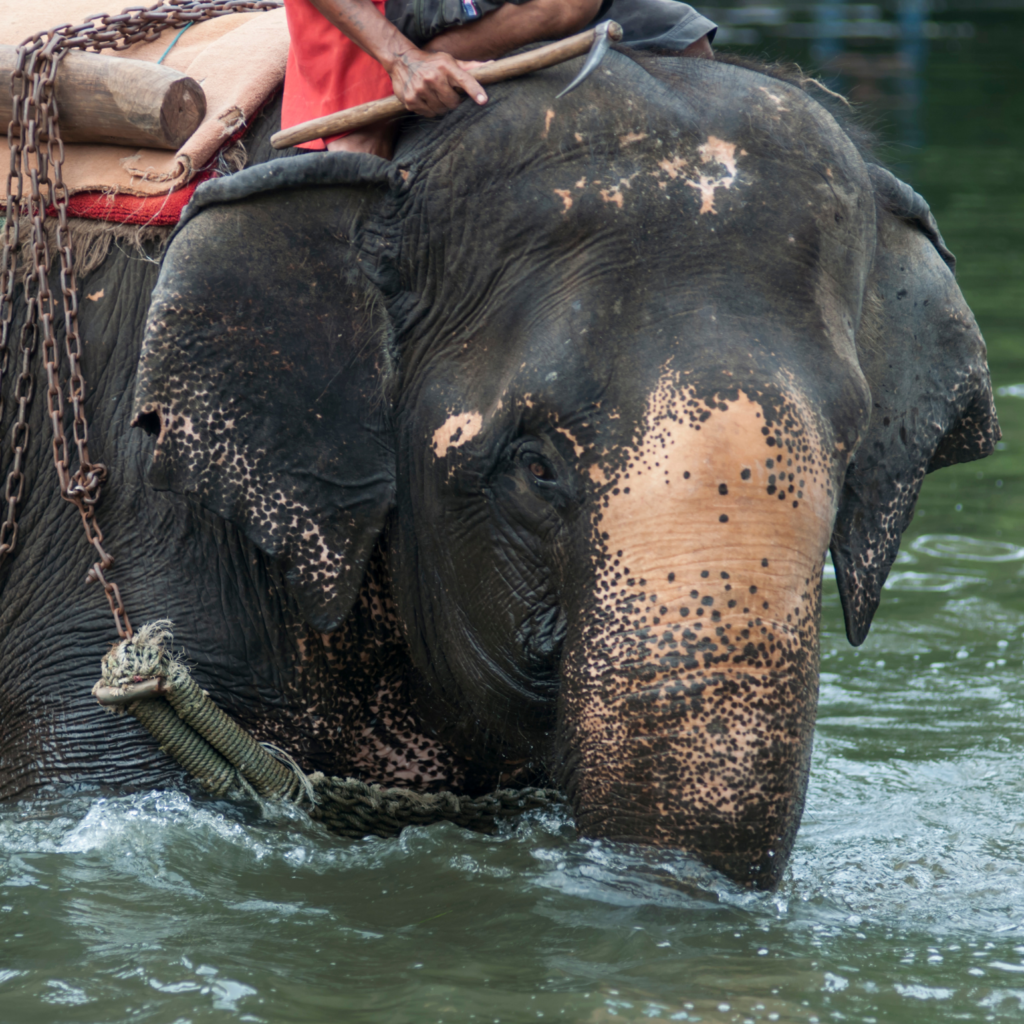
column 493, row 71
column 117, row 101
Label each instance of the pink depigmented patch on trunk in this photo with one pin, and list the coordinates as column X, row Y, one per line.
column 697, row 667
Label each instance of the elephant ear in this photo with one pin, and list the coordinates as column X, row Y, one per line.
column 924, row 358
column 262, row 370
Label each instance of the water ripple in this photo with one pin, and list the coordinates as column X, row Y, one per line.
column 966, row 549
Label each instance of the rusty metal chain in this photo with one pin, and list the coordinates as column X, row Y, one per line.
column 37, row 154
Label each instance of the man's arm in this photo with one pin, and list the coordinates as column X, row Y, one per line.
column 512, row 26
column 426, row 80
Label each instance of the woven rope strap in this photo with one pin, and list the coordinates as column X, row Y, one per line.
column 142, row 677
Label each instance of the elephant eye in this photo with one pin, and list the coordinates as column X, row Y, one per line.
column 538, row 467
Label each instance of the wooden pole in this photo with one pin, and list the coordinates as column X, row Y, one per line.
column 118, row 101
column 494, row 71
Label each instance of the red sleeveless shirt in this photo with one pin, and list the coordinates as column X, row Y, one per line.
column 326, row 70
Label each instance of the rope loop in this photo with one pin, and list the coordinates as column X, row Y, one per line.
column 143, row 677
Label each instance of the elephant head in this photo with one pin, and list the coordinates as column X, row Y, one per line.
column 603, row 378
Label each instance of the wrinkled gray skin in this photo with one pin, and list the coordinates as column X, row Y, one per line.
column 172, row 560
column 532, row 443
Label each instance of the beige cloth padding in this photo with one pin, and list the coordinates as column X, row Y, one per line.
column 238, row 59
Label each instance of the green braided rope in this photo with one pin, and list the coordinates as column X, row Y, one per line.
column 193, row 753
column 227, row 761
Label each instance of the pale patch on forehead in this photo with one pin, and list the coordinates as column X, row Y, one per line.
column 715, row 167
column 613, row 195
column 774, row 97
column 719, row 151
column 715, row 151
column 459, row 428
column 576, row 447
column 673, row 166
column 610, row 192
column 714, row 488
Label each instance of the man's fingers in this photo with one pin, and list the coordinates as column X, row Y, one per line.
column 428, row 87
column 449, row 75
column 443, row 96
column 432, row 96
column 470, row 86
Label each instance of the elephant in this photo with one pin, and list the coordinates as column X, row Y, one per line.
column 516, row 460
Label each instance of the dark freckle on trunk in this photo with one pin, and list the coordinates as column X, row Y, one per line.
column 753, row 589
column 723, row 489
column 686, row 475
column 764, row 563
column 723, row 519
column 684, row 612
column 671, row 576
column 745, row 475
column 704, row 574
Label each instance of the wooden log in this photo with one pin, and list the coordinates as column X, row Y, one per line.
column 493, row 71
column 115, row 100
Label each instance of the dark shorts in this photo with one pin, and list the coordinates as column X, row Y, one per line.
column 646, row 24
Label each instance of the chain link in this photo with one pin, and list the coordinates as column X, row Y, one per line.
column 37, row 155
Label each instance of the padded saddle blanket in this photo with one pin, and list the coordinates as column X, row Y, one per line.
column 238, row 59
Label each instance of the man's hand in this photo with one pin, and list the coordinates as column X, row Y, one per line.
column 426, row 82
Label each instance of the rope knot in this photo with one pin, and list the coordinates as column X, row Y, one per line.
column 140, row 667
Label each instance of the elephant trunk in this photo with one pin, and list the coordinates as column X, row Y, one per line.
column 690, row 673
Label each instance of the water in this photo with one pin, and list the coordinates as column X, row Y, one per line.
column 905, row 897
